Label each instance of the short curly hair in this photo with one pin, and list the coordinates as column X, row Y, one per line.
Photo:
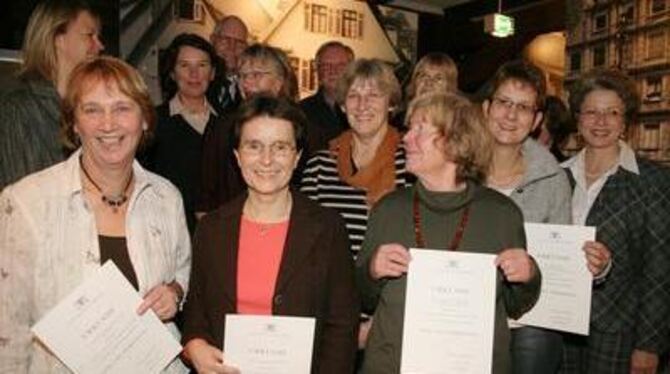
column 611, row 80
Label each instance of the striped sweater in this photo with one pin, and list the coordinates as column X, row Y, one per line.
column 321, row 182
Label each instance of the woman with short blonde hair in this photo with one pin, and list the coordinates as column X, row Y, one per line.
column 446, row 209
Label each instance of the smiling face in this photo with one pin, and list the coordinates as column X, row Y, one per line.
column 192, row 72
column 109, row 124
column 511, row 113
column 423, row 146
column 259, row 76
column 267, row 155
column 80, row 41
column 367, row 107
column 601, row 118
column 432, row 79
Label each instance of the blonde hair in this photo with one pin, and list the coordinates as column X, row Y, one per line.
column 461, row 123
column 440, row 61
column 112, row 72
column 49, row 20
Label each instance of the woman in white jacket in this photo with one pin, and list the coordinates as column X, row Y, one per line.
column 58, row 226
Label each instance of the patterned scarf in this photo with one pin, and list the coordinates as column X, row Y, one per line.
column 378, row 177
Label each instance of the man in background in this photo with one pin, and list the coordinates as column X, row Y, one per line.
column 326, row 119
column 229, row 39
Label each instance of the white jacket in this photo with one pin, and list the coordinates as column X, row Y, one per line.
column 49, row 245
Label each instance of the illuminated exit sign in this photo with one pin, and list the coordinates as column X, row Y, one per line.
column 499, row 25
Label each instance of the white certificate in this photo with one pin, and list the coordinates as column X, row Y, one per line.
column 565, row 297
column 269, row 344
column 449, row 313
column 96, row 329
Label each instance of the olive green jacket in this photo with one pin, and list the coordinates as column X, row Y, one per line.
column 495, row 223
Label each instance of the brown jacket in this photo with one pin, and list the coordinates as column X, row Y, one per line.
column 315, row 279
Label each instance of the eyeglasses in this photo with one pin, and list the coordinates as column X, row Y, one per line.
column 608, row 114
column 437, row 78
column 231, row 41
column 254, row 74
column 521, row 108
column 256, row 148
column 332, row 66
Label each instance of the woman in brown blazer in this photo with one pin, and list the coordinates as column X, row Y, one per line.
column 271, row 251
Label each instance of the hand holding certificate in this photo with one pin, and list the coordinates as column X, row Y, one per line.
column 449, row 312
column 269, row 344
column 565, row 297
column 96, row 329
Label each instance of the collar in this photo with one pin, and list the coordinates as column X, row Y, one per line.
column 445, row 201
column 540, row 162
column 626, row 160
column 73, row 172
column 177, row 107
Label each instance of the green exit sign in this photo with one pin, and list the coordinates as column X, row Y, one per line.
column 499, row 25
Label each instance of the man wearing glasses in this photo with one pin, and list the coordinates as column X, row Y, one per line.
column 229, row 39
column 326, row 119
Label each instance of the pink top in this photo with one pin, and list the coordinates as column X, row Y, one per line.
column 259, row 257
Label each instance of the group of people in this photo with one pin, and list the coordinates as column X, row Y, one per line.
column 231, row 197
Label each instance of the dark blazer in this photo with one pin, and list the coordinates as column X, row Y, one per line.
column 315, row 279
column 632, row 217
column 324, row 123
column 176, row 154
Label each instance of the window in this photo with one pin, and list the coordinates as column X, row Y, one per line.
column 576, row 61
column 653, row 92
column 649, row 136
column 600, row 22
column 656, row 45
column 627, row 13
column 334, row 22
column 316, row 18
column 351, row 27
column 188, row 10
column 627, row 53
column 599, row 55
column 657, row 6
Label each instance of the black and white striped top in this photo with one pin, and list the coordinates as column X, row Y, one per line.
column 321, row 182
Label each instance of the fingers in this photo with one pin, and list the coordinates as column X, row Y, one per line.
column 597, row 256
column 390, row 260
column 516, row 265
column 150, row 299
column 162, row 300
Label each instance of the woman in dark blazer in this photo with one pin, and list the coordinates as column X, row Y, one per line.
column 313, row 272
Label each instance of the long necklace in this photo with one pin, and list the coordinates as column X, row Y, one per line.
column 114, row 201
column 458, row 235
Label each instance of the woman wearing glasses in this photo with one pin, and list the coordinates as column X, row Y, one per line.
column 526, row 172
column 262, row 70
column 271, row 251
column 627, row 198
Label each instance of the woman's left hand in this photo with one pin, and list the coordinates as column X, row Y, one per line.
column 516, row 264
column 163, row 300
